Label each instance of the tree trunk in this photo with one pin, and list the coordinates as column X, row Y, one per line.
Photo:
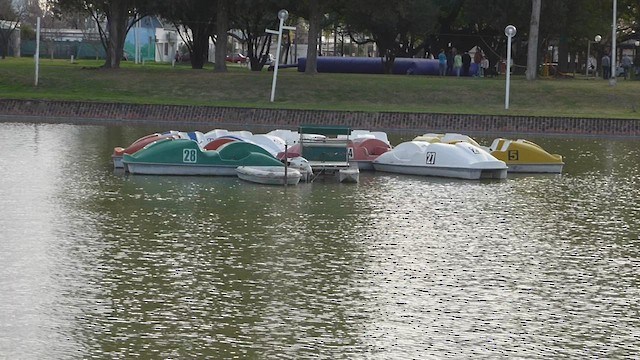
column 200, row 46
column 532, row 51
column 4, row 45
column 387, row 61
column 117, row 18
column 222, row 25
column 563, row 55
column 311, row 66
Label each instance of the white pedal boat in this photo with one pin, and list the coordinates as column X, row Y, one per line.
column 521, row 156
column 460, row 160
column 269, row 175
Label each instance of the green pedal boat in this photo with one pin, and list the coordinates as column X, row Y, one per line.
column 185, row 157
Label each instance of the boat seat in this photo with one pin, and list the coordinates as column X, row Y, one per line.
column 505, row 145
column 379, row 150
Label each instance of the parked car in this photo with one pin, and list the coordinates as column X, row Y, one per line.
column 236, row 58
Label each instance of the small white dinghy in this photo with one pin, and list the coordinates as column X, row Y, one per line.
column 349, row 175
column 269, row 175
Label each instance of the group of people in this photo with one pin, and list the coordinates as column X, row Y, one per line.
column 453, row 62
column 626, row 62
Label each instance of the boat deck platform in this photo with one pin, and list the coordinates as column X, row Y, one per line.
column 329, row 155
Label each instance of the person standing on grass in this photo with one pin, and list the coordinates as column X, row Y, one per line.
column 457, row 64
column 484, row 66
column 606, row 66
column 466, row 63
column 477, row 59
column 627, row 65
column 442, row 63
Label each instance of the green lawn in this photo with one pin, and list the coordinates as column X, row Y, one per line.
column 163, row 84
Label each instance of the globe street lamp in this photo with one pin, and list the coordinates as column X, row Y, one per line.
column 595, row 40
column 282, row 15
column 509, row 31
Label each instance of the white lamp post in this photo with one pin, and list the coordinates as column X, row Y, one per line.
column 595, row 40
column 510, row 31
column 614, row 27
column 282, row 15
column 36, row 56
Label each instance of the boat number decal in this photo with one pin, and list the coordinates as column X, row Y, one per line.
column 189, row 155
column 474, row 150
column 431, row 158
column 513, row 155
column 350, row 152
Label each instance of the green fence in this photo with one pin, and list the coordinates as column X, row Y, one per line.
column 64, row 49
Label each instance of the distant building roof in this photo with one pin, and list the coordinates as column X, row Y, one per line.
column 69, row 34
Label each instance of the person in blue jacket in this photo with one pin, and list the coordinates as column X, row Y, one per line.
column 442, row 63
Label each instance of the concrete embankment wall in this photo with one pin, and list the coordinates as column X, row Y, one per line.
column 189, row 117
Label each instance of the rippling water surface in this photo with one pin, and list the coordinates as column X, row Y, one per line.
column 98, row 264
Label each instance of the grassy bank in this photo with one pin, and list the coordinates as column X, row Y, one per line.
column 180, row 85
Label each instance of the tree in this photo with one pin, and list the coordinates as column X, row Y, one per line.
column 32, row 11
column 398, row 28
column 252, row 19
column 630, row 18
column 9, row 21
column 222, row 26
column 482, row 23
column 532, row 51
column 315, row 11
column 448, row 24
column 197, row 19
column 569, row 24
column 315, row 15
column 116, row 13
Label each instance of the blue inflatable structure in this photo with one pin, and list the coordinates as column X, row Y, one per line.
column 373, row 65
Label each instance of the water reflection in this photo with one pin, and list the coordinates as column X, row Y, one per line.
column 100, row 264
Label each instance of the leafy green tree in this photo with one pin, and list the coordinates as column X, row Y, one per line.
column 315, row 11
column 197, row 18
column 482, row 23
column 630, row 18
column 116, row 13
column 32, row 11
column 569, row 24
column 450, row 26
column 398, row 28
column 252, row 18
column 565, row 24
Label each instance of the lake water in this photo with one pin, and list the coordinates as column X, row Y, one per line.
column 98, row 264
